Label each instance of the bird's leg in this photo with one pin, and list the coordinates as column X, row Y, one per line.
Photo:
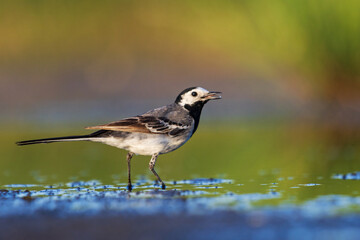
column 128, row 158
column 152, row 165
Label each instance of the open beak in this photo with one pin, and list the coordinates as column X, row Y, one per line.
column 212, row 95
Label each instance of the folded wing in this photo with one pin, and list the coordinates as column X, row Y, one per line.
column 145, row 124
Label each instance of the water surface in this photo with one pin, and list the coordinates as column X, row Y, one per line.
column 225, row 166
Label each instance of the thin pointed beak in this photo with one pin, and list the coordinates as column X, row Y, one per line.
column 213, row 95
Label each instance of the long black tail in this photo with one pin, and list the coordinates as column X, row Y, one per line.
column 56, row 139
column 64, row 139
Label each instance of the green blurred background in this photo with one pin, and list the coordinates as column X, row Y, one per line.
column 289, row 73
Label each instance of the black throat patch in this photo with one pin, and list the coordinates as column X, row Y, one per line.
column 195, row 112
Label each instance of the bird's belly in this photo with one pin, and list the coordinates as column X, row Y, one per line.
column 174, row 144
column 145, row 144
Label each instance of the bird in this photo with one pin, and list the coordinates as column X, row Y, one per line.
column 156, row 132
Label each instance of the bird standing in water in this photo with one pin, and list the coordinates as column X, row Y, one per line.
column 155, row 132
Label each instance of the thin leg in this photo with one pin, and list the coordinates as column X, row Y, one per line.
column 152, row 165
column 128, row 158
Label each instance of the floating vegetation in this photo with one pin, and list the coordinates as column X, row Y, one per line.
column 193, row 196
column 347, row 176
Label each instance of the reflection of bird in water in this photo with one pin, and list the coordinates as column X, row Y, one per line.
column 156, row 132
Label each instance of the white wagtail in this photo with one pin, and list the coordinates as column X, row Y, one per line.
column 155, row 132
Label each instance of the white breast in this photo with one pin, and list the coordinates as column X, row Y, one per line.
column 145, row 144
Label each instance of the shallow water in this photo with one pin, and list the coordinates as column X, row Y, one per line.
column 283, row 171
column 194, row 196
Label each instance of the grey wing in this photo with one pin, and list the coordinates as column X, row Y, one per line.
column 164, row 125
column 172, row 119
column 146, row 124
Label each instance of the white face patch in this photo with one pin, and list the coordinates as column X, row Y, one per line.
column 193, row 96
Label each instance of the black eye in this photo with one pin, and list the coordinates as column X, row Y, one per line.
column 194, row 94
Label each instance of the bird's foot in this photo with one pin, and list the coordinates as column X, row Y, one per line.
column 163, row 186
column 129, row 187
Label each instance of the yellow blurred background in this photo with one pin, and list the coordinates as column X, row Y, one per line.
column 296, row 58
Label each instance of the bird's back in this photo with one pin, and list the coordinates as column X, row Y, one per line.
column 173, row 112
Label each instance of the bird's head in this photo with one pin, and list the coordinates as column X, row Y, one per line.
column 196, row 97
